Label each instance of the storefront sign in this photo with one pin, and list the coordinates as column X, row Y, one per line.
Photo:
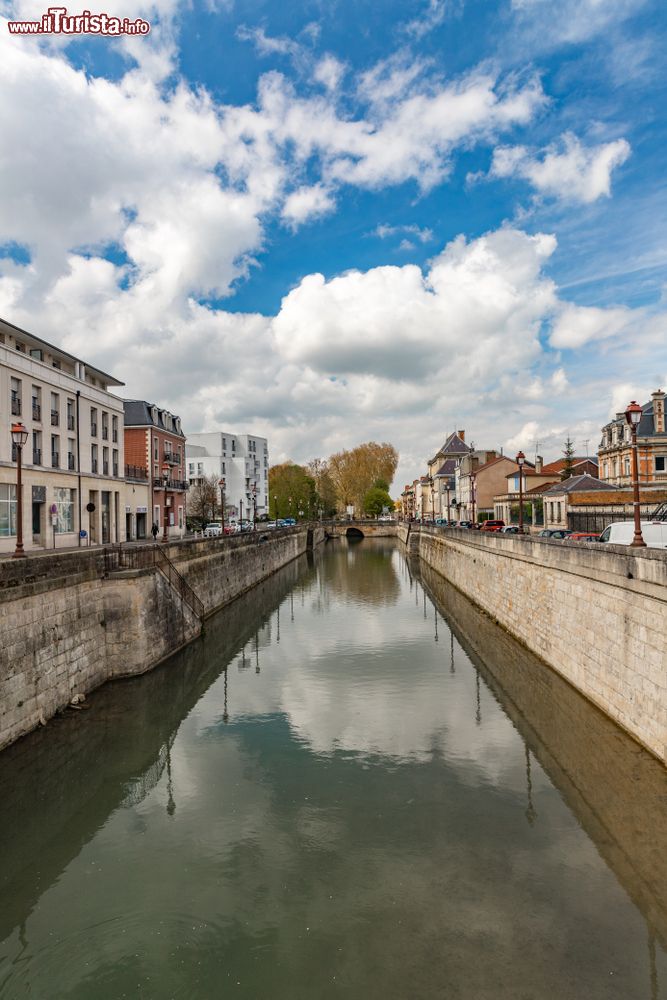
column 39, row 494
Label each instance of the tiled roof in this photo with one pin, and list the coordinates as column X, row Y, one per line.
column 559, row 464
column 494, row 461
column 454, row 446
column 138, row 414
column 542, row 488
column 447, row 468
column 579, row 483
column 646, row 425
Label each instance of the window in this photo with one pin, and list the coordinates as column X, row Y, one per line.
column 180, row 517
column 37, row 353
column 36, row 403
column 55, row 409
column 660, row 461
column 93, row 421
column 626, row 463
column 36, row 448
column 191, row 468
column 7, row 510
column 105, row 461
column 93, row 458
column 156, row 515
column 64, row 499
column 71, row 452
column 70, row 414
column 222, row 469
column 114, row 429
column 105, row 425
column 16, row 397
column 156, row 454
column 20, row 347
column 200, row 468
column 55, row 451
column 114, row 462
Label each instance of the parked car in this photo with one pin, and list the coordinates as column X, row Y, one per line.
column 510, row 529
column 442, row 521
column 213, row 530
column 554, row 533
column 491, row 525
column 388, row 517
column 584, row 536
column 654, row 533
column 288, row 522
column 464, row 524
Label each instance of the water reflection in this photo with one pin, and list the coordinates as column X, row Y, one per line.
column 375, row 797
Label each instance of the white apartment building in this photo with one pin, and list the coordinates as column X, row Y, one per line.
column 73, row 459
column 242, row 460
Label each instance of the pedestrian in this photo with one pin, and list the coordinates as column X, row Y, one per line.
column 154, row 531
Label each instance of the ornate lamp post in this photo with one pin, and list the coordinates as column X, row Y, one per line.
column 472, row 494
column 633, row 415
column 221, row 484
column 520, row 459
column 165, row 480
column 275, row 507
column 449, row 512
column 19, row 438
column 254, row 506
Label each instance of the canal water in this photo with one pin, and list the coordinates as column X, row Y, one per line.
column 354, row 785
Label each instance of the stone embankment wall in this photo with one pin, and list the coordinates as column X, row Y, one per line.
column 596, row 614
column 67, row 624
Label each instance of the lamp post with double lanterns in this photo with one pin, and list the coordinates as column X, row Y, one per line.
column 254, row 506
column 520, row 459
column 165, row 481
column 19, row 438
column 221, row 484
column 633, row 415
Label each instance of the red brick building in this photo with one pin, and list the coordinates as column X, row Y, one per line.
column 154, row 470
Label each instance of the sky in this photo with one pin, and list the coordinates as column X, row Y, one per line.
column 332, row 222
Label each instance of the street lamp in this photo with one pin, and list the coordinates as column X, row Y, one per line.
column 633, row 415
column 19, row 438
column 254, row 506
column 165, row 527
column 221, row 484
column 275, row 507
column 430, row 483
column 520, row 459
column 472, row 487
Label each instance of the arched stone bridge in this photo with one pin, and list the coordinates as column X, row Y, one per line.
column 361, row 529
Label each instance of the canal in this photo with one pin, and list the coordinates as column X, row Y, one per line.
column 353, row 785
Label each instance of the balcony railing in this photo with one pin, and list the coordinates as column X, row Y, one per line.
column 136, row 472
column 36, row 411
column 93, row 465
column 55, row 460
column 172, row 484
column 93, row 430
column 71, row 463
column 105, row 433
column 36, row 456
column 114, row 435
column 16, row 406
column 70, row 421
column 172, row 458
column 55, row 418
column 105, row 468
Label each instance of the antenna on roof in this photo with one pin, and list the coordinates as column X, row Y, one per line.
column 586, row 446
column 537, row 446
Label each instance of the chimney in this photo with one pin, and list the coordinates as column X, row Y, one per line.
column 539, row 461
column 462, row 435
column 658, row 398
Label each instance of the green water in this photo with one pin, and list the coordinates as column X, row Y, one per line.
column 353, row 786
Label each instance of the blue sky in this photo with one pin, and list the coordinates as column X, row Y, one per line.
column 334, row 222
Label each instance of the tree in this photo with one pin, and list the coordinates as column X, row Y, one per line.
column 354, row 472
column 318, row 469
column 291, row 490
column 568, row 453
column 375, row 500
column 204, row 499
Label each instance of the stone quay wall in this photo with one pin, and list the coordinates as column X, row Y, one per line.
column 72, row 620
column 595, row 614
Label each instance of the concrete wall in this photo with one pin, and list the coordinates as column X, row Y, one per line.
column 67, row 625
column 597, row 615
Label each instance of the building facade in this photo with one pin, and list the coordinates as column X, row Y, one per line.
column 156, row 487
column 242, row 461
column 73, row 459
column 614, row 453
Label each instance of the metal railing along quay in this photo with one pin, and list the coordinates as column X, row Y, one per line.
column 118, row 558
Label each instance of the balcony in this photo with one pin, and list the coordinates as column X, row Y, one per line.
column 136, row 472
column 172, row 458
column 16, row 406
column 70, row 421
column 173, row 485
column 36, row 456
column 71, row 463
column 36, row 410
column 55, row 460
column 55, row 418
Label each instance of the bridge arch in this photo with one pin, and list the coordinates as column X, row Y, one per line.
column 354, row 533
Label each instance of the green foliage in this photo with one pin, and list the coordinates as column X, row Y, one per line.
column 291, row 490
column 375, row 500
column 568, row 454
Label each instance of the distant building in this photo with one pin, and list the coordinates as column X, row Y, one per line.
column 581, row 466
column 73, row 484
column 242, row 460
column 155, row 456
column 441, row 470
column 558, row 499
column 614, row 453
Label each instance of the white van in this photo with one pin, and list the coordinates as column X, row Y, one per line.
column 622, row 533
